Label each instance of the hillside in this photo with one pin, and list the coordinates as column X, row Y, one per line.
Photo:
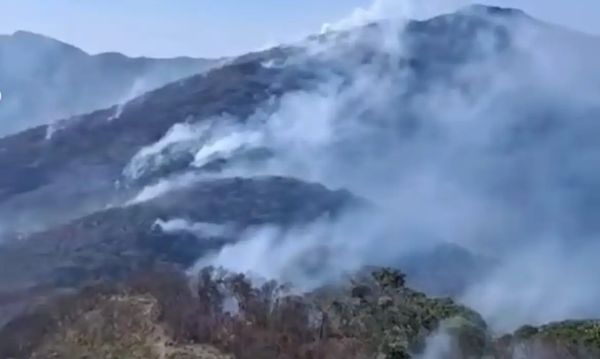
column 247, row 211
column 43, row 79
column 373, row 315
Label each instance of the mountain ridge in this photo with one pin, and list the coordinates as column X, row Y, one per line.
column 457, row 134
column 70, row 81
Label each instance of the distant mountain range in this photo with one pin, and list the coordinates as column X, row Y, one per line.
column 43, row 79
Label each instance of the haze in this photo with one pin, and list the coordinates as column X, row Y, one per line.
column 213, row 28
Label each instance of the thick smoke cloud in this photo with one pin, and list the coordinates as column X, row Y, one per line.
column 490, row 145
column 397, row 10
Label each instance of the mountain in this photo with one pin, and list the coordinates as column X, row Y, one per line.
column 42, row 79
column 461, row 148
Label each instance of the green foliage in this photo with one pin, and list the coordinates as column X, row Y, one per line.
column 157, row 315
column 563, row 340
column 576, row 333
column 395, row 321
column 389, row 278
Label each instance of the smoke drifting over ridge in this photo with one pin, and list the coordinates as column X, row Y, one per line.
column 478, row 129
column 471, row 136
column 44, row 80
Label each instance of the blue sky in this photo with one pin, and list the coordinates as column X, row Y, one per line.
column 211, row 28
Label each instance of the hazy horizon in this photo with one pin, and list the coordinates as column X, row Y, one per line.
column 204, row 28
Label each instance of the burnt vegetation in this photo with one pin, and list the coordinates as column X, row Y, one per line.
column 228, row 313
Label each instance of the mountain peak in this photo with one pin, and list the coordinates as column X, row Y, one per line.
column 25, row 33
column 32, row 39
column 34, row 66
column 491, row 10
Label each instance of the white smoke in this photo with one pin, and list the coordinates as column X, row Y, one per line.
column 399, row 10
column 540, row 283
column 438, row 346
column 138, row 87
column 498, row 156
column 308, row 256
column 200, row 229
column 162, row 187
column 180, row 137
column 226, row 146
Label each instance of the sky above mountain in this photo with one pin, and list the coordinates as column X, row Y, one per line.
column 212, row 28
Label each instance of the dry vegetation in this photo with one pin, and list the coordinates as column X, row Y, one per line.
column 161, row 315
